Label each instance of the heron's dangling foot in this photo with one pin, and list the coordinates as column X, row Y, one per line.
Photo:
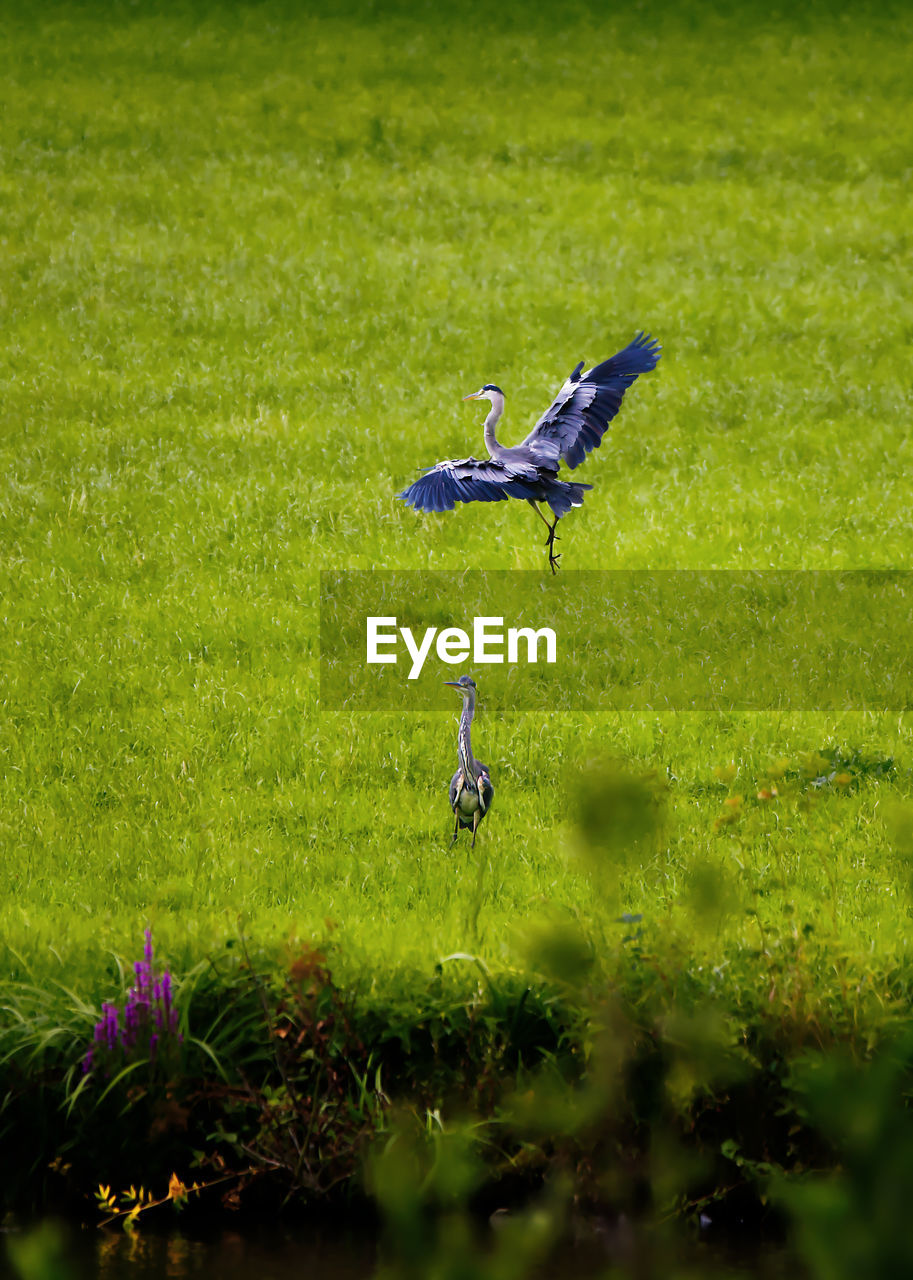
column 476, row 819
column 550, row 543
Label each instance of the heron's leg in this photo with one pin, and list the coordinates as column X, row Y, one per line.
column 535, row 506
column 456, row 828
column 550, row 527
column 550, row 540
column 476, row 819
column 550, row 544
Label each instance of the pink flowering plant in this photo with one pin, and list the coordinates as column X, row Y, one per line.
column 146, row 1028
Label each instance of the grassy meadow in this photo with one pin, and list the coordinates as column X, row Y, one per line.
column 251, row 258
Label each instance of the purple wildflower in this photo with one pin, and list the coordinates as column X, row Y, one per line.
column 106, row 1030
column 170, row 1013
column 143, row 973
column 149, row 1016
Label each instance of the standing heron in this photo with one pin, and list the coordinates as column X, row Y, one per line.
column 573, row 424
column 471, row 792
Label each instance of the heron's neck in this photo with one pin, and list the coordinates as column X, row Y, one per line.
column 497, row 408
column 464, row 741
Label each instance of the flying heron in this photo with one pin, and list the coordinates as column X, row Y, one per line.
column 573, row 424
column 471, row 792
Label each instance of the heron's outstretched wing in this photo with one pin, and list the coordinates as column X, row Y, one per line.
column 470, row 480
column 577, row 419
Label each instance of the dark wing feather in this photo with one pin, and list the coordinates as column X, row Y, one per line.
column 470, row 480
column 578, row 417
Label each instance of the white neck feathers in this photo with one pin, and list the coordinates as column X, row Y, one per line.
column 497, row 408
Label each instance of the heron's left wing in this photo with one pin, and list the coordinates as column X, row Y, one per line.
column 486, row 790
column 470, row 480
column 455, row 783
column 578, row 417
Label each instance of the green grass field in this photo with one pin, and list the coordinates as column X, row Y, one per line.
column 251, row 259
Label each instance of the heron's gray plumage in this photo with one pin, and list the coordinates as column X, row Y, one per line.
column 470, row 791
column 574, row 424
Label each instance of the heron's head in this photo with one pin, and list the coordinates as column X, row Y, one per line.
column 488, row 392
column 464, row 685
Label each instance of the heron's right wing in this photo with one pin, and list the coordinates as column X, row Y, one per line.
column 577, row 419
column 470, row 480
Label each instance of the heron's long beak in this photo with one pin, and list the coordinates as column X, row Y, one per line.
column 453, row 684
column 476, row 395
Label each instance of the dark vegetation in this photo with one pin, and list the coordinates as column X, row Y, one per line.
column 622, row 1098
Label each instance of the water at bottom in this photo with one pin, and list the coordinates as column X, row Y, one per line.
column 54, row 1250
column 59, row 1251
